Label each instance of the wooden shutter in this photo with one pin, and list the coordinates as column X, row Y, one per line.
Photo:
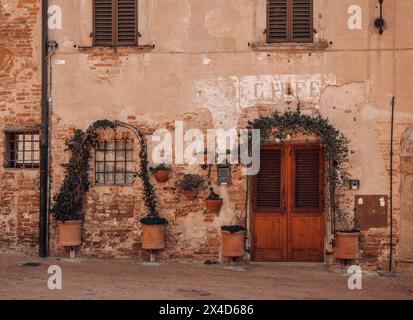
column 103, row 22
column 268, row 183
column 277, row 24
column 302, row 21
column 289, row 21
column 307, row 189
column 115, row 22
column 126, row 22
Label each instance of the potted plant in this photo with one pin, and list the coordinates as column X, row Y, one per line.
column 153, row 232
column 213, row 202
column 233, row 241
column 190, row 185
column 347, row 238
column 69, row 226
column 161, row 172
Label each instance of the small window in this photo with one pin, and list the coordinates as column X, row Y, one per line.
column 289, row 21
column 114, row 162
column 115, row 22
column 23, row 150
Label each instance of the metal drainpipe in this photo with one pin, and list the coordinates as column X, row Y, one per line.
column 391, row 185
column 44, row 140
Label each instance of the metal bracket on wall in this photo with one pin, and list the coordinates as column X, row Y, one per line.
column 379, row 22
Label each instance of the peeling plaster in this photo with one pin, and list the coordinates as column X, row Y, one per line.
column 225, row 97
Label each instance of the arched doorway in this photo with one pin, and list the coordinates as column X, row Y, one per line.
column 405, row 250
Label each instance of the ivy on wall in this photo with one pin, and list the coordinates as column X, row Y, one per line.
column 280, row 126
column 68, row 201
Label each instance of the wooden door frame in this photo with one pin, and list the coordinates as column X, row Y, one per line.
column 284, row 200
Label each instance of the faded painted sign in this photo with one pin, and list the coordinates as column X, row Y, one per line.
column 225, row 97
column 269, row 89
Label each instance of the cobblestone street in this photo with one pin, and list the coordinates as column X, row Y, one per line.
column 91, row 279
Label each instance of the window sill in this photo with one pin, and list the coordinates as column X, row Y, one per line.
column 290, row 47
column 21, row 169
column 122, row 49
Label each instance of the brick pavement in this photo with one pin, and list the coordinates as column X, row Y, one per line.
column 90, row 279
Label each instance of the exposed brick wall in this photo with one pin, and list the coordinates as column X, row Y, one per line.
column 112, row 229
column 19, row 107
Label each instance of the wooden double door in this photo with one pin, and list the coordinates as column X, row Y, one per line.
column 287, row 219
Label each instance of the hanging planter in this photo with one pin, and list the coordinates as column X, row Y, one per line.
column 161, row 173
column 213, row 205
column 190, row 185
column 233, row 241
column 213, row 202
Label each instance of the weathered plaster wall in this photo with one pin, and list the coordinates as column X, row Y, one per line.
column 19, row 109
column 205, row 71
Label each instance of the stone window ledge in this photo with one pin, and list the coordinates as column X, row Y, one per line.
column 290, row 47
column 125, row 49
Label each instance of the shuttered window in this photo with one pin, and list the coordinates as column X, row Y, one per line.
column 307, row 190
column 115, row 22
column 289, row 21
column 268, row 183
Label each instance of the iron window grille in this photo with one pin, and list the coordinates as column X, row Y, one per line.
column 114, row 162
column 22, row 149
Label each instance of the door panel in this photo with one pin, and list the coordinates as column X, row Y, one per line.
column 306, row 239
column 269, row 224
column 287, row 220
column 270, row 238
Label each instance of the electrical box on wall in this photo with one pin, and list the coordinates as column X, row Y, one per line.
column 224, row 174
column 371, row 211
column 354, row 184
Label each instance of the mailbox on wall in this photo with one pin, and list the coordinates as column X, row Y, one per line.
column 371, row 211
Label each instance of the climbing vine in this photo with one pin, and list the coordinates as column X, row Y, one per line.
column 69, row 199
column 280, row 126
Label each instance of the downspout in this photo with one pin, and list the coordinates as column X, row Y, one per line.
column 391, row 185
column 44, row 139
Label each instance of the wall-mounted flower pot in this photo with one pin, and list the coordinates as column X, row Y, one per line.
column 233, row 243
column 347, row 245
column 161, row 175
column 190, row 194
column 213, row 205
column 70, row 233
column 153, row 236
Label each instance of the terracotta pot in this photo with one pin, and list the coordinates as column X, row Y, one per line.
column 161, row 175
column 153, row 236
column 70, row 233
column 233, row 243
column 213, row 206
column 190, row 194
column 347, row 245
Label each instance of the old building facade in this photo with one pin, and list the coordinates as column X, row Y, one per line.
column 210, row 64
